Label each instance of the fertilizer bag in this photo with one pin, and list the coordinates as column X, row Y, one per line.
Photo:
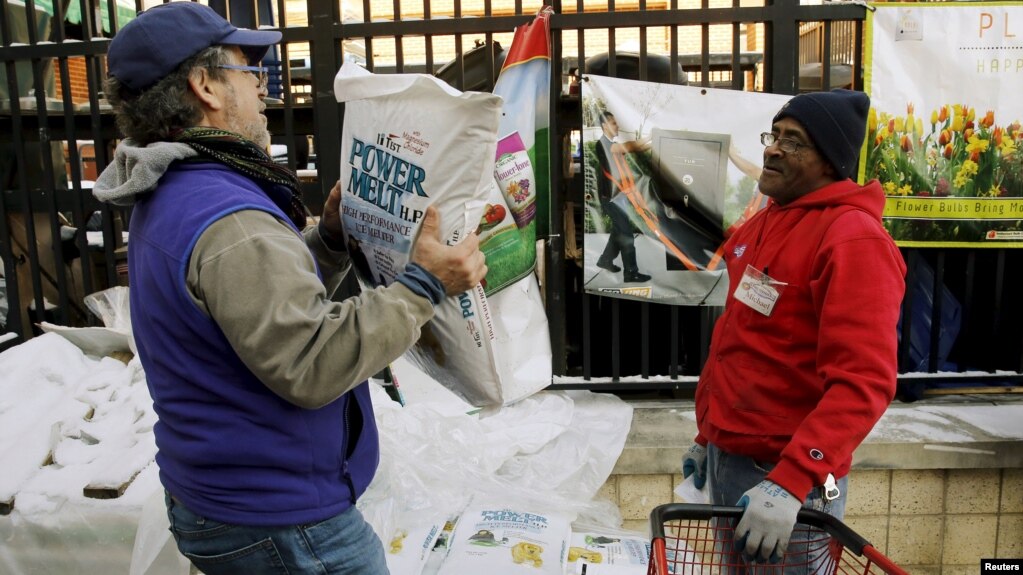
column 410, row 141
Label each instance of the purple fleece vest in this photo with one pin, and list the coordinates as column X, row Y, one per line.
column 229, row 448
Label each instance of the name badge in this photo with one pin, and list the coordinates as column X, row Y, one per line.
column 757, row 290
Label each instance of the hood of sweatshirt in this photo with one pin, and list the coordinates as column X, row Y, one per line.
column 137, row 169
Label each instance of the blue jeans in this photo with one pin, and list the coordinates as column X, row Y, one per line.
column 343, row 544
column 730, row 476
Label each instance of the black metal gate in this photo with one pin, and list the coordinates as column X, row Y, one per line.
column 57, row 244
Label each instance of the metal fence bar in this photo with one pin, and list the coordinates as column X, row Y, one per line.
column 937, row 288
column 587, row 339
column 675, row 344
column 644, row 347
column 616, row 338
column 554, row 280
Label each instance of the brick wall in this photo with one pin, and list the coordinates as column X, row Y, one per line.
column 930, row 522
column 79, row 81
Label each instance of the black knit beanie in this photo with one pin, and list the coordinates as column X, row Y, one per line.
column 836, row 122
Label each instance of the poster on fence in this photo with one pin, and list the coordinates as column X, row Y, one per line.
column 943, row 133
column 670, row 171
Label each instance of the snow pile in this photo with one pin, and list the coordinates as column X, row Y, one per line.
column 80, row 488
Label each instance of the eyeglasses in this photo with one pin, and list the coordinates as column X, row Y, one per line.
column 786, row 145
column 258, row 71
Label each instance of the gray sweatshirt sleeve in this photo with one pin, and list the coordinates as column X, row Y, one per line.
column 255, row 277
column 334, row 265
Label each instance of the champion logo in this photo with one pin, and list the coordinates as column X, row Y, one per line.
column 739, row 250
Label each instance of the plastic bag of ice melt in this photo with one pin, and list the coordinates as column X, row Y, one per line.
column 411, row 543
column 505, row 540
column 410, row 141
column 595, row 550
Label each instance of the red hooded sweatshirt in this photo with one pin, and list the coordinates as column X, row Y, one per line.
column 803, row 386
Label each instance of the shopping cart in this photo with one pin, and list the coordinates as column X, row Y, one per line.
column 697, row 540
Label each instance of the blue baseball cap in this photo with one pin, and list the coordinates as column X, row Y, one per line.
column 156, row 42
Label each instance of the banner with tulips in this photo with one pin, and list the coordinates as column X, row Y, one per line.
column 943, row 133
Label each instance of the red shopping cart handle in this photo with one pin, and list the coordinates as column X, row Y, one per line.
column 683, row 516
column 694, row 512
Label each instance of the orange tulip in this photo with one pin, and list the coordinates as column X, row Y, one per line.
column 943, row 114
column 948, row 151
column 989, row 119
column 944, row 137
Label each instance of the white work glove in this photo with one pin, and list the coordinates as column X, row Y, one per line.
column 765, row 527
column 694, row 462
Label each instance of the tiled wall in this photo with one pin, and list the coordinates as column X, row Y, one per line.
column 931, row 522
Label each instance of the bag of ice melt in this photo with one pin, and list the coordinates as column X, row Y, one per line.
column 410, row 141
column 604, row 551
column 505, row 540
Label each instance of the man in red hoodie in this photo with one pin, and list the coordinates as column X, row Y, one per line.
column 803, row 361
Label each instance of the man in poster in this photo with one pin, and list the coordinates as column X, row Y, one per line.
column 803, row 361
column 622, row 239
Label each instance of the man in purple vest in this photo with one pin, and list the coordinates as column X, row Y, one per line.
column 266, row 433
